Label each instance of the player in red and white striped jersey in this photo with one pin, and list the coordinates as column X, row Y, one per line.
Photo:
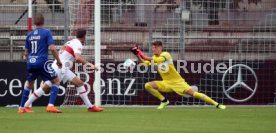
column 70, row 54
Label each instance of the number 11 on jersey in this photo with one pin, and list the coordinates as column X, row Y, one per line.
column 34, row 47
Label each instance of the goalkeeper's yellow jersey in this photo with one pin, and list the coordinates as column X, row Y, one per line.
column 166, row 67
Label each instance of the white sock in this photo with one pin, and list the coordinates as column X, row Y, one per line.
column 83, row 94
column 38, row 93
column 50, row 104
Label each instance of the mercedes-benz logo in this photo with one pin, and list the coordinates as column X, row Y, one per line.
column 239, row 83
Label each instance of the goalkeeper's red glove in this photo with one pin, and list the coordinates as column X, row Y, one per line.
column 136, row 51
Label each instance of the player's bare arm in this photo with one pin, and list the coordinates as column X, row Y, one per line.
column 25, row 57
column 80, row 59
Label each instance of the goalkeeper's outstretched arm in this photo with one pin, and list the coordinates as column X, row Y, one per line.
column 145, row 62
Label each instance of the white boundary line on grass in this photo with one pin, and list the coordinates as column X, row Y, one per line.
column 171, row 106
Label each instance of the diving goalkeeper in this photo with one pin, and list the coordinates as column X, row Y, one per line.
column 172, row 81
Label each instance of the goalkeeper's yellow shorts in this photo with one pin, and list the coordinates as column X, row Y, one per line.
column 180, row 87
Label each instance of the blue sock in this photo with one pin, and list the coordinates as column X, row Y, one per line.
column 25, row 96
column 53, row 94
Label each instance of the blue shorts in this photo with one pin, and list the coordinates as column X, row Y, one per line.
column 45, row 73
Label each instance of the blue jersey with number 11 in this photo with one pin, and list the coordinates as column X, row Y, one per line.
column 37, row 43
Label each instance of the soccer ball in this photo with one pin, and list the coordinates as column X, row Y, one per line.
column 129, row 64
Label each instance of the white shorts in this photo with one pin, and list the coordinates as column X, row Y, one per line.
column 64, row 74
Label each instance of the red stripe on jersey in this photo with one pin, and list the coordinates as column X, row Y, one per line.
column 83, row 92
column 70, row 50
column 35, row 95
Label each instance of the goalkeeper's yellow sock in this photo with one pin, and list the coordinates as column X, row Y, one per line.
column 154, row 92
column 205, row 98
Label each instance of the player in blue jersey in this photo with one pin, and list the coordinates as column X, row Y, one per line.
column 36, row 53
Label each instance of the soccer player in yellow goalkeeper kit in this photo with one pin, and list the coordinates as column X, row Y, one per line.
column 172, row 80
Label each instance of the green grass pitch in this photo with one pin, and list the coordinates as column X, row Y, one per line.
column 142, row 120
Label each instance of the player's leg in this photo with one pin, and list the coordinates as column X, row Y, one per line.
column 31, row 76
column 183, row 88
column 53, row 94
column 204, row 97
column 154, row 87
column 55, row 88
column 84, row 95
column 37, row 93
column 25, row 97
column 54, row 91
column 47, row 75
